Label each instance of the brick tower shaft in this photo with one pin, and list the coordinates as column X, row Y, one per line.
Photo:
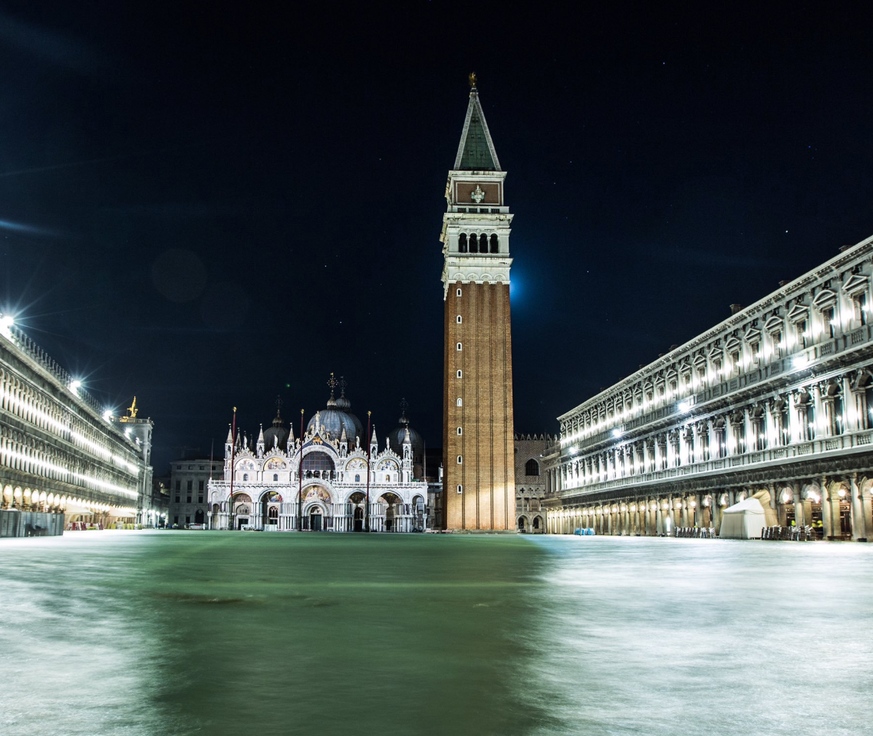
column 478, row 447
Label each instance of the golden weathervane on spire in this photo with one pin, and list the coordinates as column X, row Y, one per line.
column 472, row 80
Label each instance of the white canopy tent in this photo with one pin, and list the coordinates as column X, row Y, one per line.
column 73, row 508
column 743, row 520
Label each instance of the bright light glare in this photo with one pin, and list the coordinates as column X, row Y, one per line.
column 107, row 415
column 684, row 406
column 800, row 361
column 6, row 322
column 617, row 432
column 75, row 386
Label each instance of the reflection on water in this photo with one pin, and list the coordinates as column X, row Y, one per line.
column 687, row 636
column 228, row 633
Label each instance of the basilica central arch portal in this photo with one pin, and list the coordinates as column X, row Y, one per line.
column 317, row 508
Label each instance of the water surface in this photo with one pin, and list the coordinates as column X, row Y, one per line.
column 232, row 633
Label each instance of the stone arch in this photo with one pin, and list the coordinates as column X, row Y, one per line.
column 811, row 492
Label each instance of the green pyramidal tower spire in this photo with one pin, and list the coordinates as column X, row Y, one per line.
column 476, row 150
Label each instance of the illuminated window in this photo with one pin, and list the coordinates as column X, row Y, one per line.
column 859, row 308
column 735, row 359
column 458, row 319
column 800, row 329
column 458, row 292
column 827, row 318
column 460, row 489
column 318, row 461
column 459, row 347
column 460, row 431
column 460, row 402
column 460, row 374
column 460, row 460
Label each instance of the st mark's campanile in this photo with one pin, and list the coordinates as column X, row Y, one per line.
column 478, row 460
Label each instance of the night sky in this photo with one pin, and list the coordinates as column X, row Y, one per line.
column 209, row 207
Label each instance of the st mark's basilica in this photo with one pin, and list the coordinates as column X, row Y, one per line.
column 320, row 480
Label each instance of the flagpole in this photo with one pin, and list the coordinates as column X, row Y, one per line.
column 367, row 526
column 300, row 480
column 208, row 517
column 232, row 465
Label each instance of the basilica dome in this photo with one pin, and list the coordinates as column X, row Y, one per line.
column 336, row 416
column 397, row 435
column 277, row 435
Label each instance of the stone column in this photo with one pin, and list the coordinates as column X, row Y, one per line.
column 830, row 420
column 746, row 427
column 867, row 508
column 799, row 510
column 859, row 404
column 853, row 419
column 859, row 530
column 827, row 510
column 775, row 411
column 716, row 511
column 777, row 507
column 798, row 430
column 820, row 426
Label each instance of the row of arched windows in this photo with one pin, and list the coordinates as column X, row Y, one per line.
column 36, row 408
column 811, row 413
column 34, row 457
column 766, row 337
column 481, row 243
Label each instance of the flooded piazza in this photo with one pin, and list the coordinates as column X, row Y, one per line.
column 147, row 633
